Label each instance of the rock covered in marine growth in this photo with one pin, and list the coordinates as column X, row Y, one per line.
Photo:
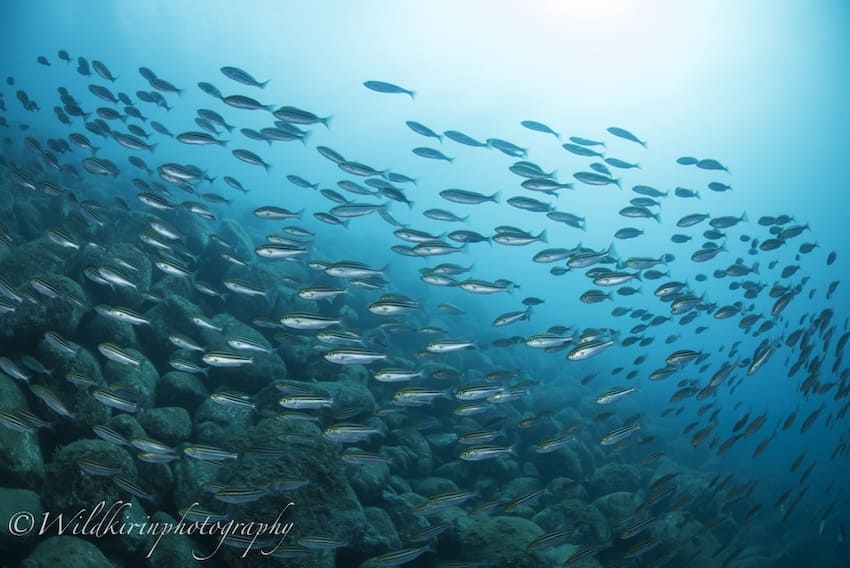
column 69, row 488
column 501, row 541
column 15, row 501
column 21, row 463
column 66, row 552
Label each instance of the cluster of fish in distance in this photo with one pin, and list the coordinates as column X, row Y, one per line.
column 814, row 345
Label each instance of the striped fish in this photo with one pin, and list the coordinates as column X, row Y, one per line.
column 224, row 359
column 553, row 538
column 619, row 434
column 240, row 495
column 401, row 556
column 114, row 399
column 97, row 469
column 110, row 435
column 51, row 400
column 115, row 353
column 14, row 422
column 320, row 543
column 60, row 343
column 208, row 453
column 131, row 488
column 45, row 288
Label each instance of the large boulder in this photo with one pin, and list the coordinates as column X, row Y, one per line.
column 66, row 552
column 21, row 463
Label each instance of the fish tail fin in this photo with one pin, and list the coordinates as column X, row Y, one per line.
column 755, row 268
column 153, row 146
column 263, row 84
column 412, row 95
column 657, row 217
column 440, row 138
column 642, row 144
column 744, row 217
column 410, row 204
column 618, row 184
column 543, row 237
column 326, row 121
column 304, row 138
column 496, row 196
column 229, row 127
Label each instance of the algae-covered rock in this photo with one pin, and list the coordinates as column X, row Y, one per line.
column 613, row 478
column 173, row 315
column 142, row 378
column 349, row 394
column 501, row 542
column 16, row 501
column 21, row 463
column 86, row 409
column 265, row 367
column 98, row 329
column 325, row 506
column 379, row 535
column 68, row 488
column 173, row 550
column 616, row 506
column 430, row 486
column 61, row 313
column 368, row 481
column 410, row 452
column 189, row 477
column 116, row 258
column 66, row 552
column 181, row 389
column 169, row 424
column 567, row 462
column 585, row 518
column 28, row 260
column 212, row 421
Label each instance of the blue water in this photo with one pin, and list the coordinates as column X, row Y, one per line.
column 759, row 86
